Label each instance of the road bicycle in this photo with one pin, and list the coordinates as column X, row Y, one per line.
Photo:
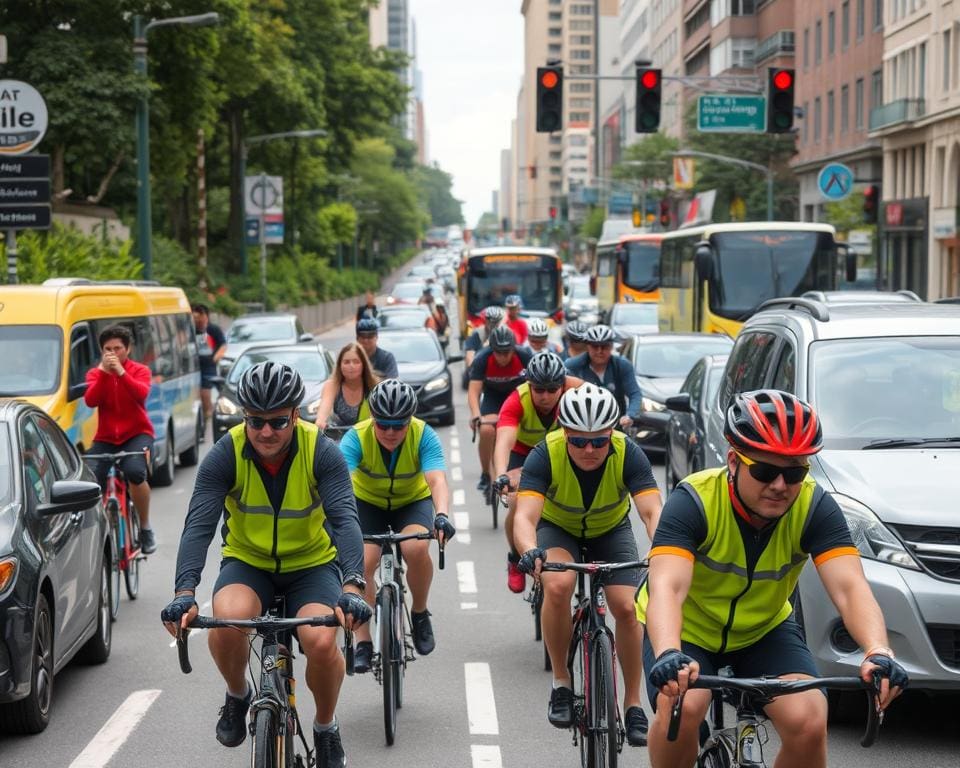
column 393, row 638
column 591, row 663
column 125, row 522
column 741, row 745
column 274, row 721
column 535, row 598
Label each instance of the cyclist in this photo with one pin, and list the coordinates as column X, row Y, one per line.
column 517, row 324
column 598, row 365
column 494, row 374
column 492, row 317
column 383, row 362
column 574, row 494
column 574, row 339
column 344, row 394
column 399, row 478
column 725, row 561
column 211, row 346
column 537, row 340
column 289, row 527
column 527, row 415
column 118, row 388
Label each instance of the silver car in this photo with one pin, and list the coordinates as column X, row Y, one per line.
column 258, row 329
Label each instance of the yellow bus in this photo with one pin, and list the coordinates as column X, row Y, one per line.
column 713, row 277
column 626, row 269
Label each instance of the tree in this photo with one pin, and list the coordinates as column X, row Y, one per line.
column 653, row 153
column 592, row 225
column 435, row 189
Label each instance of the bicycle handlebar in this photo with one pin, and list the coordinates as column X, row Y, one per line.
column 396, row 538
column 771, row 687
column 594, row 568
column 114, row 456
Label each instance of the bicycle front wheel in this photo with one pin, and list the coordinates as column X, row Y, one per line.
column 115, row 569
column 387, row 632
column 602, row 727
column 267, row 743
column 132, row 573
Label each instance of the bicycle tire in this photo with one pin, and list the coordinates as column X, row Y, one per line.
column 577, row 660
column 131, row 574
column 714, row 756
column 602, row 735
column 115, row 571
column 400, row 667
column 266, row 741
column 385, row 612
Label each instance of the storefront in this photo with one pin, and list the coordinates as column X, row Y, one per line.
column 945, row 224
column 903, row 257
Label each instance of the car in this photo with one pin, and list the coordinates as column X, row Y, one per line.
column 313, row 361
column 448, row 276
column 259, row 328
column 422, row 364
column 424, row 272
column 685, row 433
column 861, row 297
column 885, row 382
column 406, row 292
column 403, row 317
column 56, row 561
column 579, row 303
column 632, row 318
column 662, row 361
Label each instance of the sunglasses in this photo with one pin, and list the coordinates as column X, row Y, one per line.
column 583, row 442
column 605, row 345
column 258, row 422
column 766, row 473
column 544, row 390
column 392, row 424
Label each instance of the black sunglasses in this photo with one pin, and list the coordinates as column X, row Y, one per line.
column 395, row 425
column 766, row 473
column 259, row 422
column 583, row 442
column 544, row 390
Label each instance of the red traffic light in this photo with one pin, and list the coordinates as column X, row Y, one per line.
column 549, row 79
column 783, row 80
column 650, row 79
column 553, row 212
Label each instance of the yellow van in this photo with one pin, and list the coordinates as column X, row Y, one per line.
column 48, row 342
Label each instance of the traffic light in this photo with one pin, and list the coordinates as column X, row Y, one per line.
column 649, row 86
column 780, row 84
column 871, row 204
column 664, row 213
column 553, row 213
column 637, row 218
column 549, row 99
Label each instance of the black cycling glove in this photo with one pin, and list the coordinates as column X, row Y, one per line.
column 667, row 667
column 890, row 669
column 177, row 609
column 528, row 560
column 501, row 484
column 354, row 605
column 442, row 523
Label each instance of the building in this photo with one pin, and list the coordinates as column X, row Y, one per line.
column 378, row 25
column 666, row 32
column 504, row 209
column 578, row 44
column 392, row 26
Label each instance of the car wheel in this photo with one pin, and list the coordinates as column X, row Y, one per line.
column 163, row 474
column 32, row 714
column 97, row 648
column 190, row 456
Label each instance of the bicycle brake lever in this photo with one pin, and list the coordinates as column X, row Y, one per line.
column 441, row 557
column 673, row 729
column 182, row 652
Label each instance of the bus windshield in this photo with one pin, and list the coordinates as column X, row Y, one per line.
column 31, row 355
column 756, row 266
column 538, row 287
column 641, row 267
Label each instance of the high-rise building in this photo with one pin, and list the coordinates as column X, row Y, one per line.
column 666, row 25
column 392, row 26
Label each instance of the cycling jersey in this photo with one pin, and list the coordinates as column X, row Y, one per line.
column 496, row 378
column 519, row 328
column 619, row 377
column 394, row 486
column 520, row 412
column 384, row 363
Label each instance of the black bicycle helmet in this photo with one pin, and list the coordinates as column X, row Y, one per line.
column 546, row 369
column 502, row 338
column 367, row 325
column 576, row 330
column 774, row 422
column 392, row 399
column 599, row 334
column 270, row 386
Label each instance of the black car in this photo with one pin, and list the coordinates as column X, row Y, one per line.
column 56, row 561
column 422, row 364
column 313, row 361
column 686, row 434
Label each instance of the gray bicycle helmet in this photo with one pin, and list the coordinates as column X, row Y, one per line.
column 599, row 334
column 576, row 330
column 392, row 399
column 502, row 338
column 513, row 300
column 367, row 325
column 537, row 329
column 493, row 315
column 588, row 408
column 546, row 369
column 270, row 386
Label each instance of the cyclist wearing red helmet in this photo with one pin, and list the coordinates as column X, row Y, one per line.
column 725, row 561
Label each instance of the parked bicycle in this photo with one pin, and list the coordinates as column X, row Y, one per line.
column 597, row 723
column 741, row 745
column 393, row 639
column 274, row 721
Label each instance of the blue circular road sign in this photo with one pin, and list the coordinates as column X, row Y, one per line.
column 835, row 181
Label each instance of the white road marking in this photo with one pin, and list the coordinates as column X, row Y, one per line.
column 116, row 730
column 454, row 456
column 463, row 538
column 461, row 520
column 454, row 442
column 456, row 474
column 459, row 497
column 468, row 606
column 486, row 756
column 466, row 577
column 481, row 706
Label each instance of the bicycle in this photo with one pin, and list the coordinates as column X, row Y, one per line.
column 125, row 522
column 393, row 640
column 274, row 721
column 535, row 598
column 741, row 746
column 590, row 661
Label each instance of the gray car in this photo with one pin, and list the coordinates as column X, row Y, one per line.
column 885, row 381
column 258, row 329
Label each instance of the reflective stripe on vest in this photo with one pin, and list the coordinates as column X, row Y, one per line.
column 530, row 430
column 728, row 607
column 563, row 503
column 372, row 480
column 290, row 538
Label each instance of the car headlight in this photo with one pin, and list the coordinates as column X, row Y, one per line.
column 313, row 407
column 871, row 537
column 435, row 385
column 8, row 574
column 226, row 406
column 646, row 404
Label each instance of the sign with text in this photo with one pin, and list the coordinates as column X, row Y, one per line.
column 683, row 172
column 23, row 117
column 730, row 113
column 25, row 192
column 24, row 217
column 263, row 195
column 273, row 230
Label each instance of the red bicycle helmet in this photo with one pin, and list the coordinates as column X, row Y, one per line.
column 773, row 421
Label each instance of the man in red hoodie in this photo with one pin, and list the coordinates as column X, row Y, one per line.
column 118, row 388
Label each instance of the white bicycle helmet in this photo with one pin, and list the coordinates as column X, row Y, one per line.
column 600, row 334
column 588, row 408
column 537, row 329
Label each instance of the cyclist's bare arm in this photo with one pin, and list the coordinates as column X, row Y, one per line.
column 572, row 382
column 339, row 505
column 649, row 505
column 473, row 397
column 668, row 582
column 439, row 490
column 327, row 395
column 506, row 439
column 529, row 510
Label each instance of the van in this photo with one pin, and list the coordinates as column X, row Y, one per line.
column 48, row 342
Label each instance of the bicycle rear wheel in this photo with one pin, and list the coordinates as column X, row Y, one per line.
column 266, row 741
column 387, row 632
column 132, row 532
column 603, row 741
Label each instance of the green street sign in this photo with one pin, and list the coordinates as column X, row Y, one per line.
column 727, row 113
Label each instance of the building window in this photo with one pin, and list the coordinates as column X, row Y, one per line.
column 581, row 40
column 698, row 62
column 858, row 98
column 554, row 139
column 845, row 23
column 844, row 109
column 555, row 48
column 580, row 103
column 876, row 89
column 806, row 47
column 556, row 155
column 581, row 10
column 818, row 43
column 922, row 71
column 806, row 122
column 556, row 31
column 877, row 14
column 582, row 54
column 946, row 60
column 830, row 114
column 556, row 16
column 861, row 13
column 579, row 117
column 581, row 25
column 580, row 87
column 831, row 33
column 698, row 19
column 555, row 186
column 816, row 120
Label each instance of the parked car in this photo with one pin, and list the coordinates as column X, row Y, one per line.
column 313, row 361
column 407, row 292
column 662, row 361
column 631, row 318
column 56, row 560
column 257, row 329
column 422, row 364
column 579, row 303
column 885, row 381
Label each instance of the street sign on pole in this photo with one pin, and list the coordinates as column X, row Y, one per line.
column 263, row 195
column 835, row 181
column 23, row 117
column 731, row 113
column 24, row 200
column 24, row 216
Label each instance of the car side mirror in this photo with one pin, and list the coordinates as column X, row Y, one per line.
column 70, row 496
column 849, row 264
column 680, row 403
column 454, row 358
column 76, row 391
column 305, row 337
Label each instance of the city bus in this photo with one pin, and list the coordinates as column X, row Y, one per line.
column 713, row 277
column 627, row 269
column 488, row 275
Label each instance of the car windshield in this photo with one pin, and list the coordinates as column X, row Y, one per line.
column 644, row 313
column 491, row 285
column 886, row 388
column 311, row 364
column 407, row 290
column 402, row 319
column 31, row 357
column 6, row 467
column 673, row 359
column 642, row 266
column 261, row 329
column 411, row 348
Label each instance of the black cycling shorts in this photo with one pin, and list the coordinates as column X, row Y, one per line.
column 134, row 467
column 319, row 584
column 615, row 546
column 782, row 651
column 374, row 520
column 515, row 461
column 492, row 402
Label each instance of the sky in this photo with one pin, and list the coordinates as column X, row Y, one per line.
column 471, row 55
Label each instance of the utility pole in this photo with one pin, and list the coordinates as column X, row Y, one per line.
column 201, row 209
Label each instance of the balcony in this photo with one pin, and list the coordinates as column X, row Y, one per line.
column 899, row 111
column 780, row 43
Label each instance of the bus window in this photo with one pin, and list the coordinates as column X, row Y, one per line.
column 165, row 364
column 641, row 265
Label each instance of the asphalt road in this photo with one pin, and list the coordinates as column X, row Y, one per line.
column 479, row 700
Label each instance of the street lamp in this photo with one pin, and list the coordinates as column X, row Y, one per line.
column 140, row 30
column 736, row 161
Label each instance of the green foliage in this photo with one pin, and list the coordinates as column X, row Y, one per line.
column 434, row 187
column 67, row 252
column 338, row 222
column 654, row 154
column 592, row 224
column 847, row 214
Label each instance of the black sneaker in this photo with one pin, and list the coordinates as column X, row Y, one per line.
column 422, row 633
column 329, row 748
column 362, row 656
column 148, row 541
column 635, row 720
column 560, row 709
column 232, row 725
column 484, row 483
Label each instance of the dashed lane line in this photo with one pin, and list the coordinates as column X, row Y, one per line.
column 456, row 474
column 486, row 756
column 468, row 606
column 116, row 730
column 454, row 442
column 466, row 577
column 464, row 538
column 454, row 456
column 459, row 497
column 461, row 520
column 481, row 706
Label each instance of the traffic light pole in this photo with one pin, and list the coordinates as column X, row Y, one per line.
column 736, row 161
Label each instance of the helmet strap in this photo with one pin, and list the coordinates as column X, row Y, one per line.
column 739, row 505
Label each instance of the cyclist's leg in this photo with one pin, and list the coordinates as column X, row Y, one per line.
column 514, row 465
column 416, row 518
column 373, row 520
column 101, row 467
column 557, row 592
column 490, row 404
column 135, row 470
